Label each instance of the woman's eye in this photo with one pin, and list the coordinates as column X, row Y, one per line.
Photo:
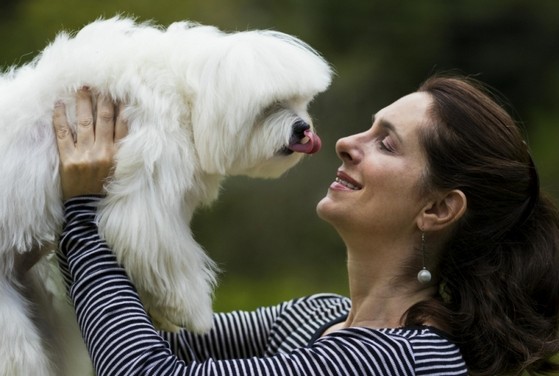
column 384, row 144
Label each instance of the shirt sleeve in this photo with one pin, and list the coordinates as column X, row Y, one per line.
column 122, row 340
column 238, row 334
column 117, row 331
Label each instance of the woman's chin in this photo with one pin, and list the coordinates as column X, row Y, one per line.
column 325, row 209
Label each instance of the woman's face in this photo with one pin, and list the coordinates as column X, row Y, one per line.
column 377, row 187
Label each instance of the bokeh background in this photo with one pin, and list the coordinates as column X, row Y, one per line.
column 265, row 235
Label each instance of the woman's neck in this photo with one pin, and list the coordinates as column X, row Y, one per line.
column 380, row 296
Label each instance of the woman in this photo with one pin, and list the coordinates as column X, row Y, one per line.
column 452, row 256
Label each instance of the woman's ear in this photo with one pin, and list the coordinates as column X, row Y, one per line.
column 443, row 211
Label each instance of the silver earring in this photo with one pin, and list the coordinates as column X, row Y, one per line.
column 424, row 275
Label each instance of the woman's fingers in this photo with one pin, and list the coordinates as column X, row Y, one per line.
column 121, row 126
column 105, row 123
column 64, row 137
column 85, row 132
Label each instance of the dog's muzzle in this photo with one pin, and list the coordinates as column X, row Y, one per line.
column 303, row 140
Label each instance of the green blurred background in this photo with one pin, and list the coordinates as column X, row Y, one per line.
column 265, row 235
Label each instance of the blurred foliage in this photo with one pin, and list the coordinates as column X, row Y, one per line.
column 265, row 234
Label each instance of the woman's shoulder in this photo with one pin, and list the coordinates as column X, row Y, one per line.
column 412, row 335
column 423, row 338
column 424, row 349
column 433, row 350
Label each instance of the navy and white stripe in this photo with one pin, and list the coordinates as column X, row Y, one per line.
column 279, row 340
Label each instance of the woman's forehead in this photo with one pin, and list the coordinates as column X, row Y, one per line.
column 407, row 113
column 410, row 105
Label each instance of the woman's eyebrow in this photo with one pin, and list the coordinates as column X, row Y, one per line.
column 387, row 126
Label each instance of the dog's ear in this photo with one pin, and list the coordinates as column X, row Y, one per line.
column 240, row 74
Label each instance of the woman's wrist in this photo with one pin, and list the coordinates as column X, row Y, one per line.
column 79, row 212
column 85, row 201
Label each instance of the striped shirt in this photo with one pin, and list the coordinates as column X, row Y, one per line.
column 280, row 340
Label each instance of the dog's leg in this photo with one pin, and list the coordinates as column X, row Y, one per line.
column 170, row 270
column 145, row 218
column 22, row 351
column 188, row 300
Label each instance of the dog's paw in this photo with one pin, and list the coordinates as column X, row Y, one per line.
column 161, row 322
column 196, row 318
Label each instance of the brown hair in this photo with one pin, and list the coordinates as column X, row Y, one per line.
column 499, row 273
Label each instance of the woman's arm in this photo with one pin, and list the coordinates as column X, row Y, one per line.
column 115, row 326
column 235, row 335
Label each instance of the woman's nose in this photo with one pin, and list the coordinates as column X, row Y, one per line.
column 348, row 150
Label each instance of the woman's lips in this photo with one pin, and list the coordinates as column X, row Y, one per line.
column 344, row 181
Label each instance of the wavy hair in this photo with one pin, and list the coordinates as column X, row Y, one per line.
column 499, row 273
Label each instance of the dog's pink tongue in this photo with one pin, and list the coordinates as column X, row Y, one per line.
column 309, row 144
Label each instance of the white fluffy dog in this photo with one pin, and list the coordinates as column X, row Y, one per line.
column 201, row 104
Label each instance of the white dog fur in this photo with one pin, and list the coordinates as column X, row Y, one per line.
column 201, row 104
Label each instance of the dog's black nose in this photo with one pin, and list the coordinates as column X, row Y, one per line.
column 299, row 129
column 302, row 139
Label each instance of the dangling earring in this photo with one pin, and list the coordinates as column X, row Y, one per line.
column 424, row 275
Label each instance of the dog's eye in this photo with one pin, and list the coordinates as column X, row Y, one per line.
column 269, row 111
column 273, row 108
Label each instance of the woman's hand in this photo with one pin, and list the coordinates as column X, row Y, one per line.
column 87, row 159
